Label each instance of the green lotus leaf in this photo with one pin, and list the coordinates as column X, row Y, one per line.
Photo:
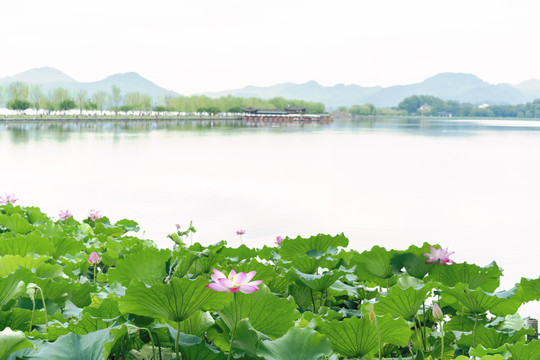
column 374, row 263
column 289, row 248
column 266, row 273
column 478, row 301
column 341, row 289
column 10, row 263
column 267, row 313
column 486, row 278
column 528, row 351
column 202, row 351
column 72, row 346
column 296, row 344
column 206, row 262
column 240, row 253
column 87, row 324
column 412, row 260
column 16, row 319
column 63, row 245
column 301, row 295
column 197, row 324
column 148, row 266
column 529, row 289
column 35, row 216
column 80, row 294
column 492, row 338
column 316, row 282
column 107, row 310
column 51, row 271
column 16, row 224
column 355, row 337
column 267, row 253
column 11, row 285
column 278, row 284
column 489, row 353
column 246, row 339
column 402, row 302
column 183, row 261
column 508, row 322
column 104, row 226
column 32, row 243
column 176, row 300
column 127, row 225
column 304, row 263
column 11, row 341
column 57, row 290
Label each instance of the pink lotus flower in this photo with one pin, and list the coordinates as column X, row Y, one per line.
column 94, row 215
column 439, row 256
column 279, row 239
column 8, row 199
column 94, row 258
column 437, row 312
column 234, row 283
column 177, row 226
column 64, row 215
column 240, row 232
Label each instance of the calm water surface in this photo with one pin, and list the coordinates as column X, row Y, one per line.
column 471, row 185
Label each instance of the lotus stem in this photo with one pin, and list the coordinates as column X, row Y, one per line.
column 45, row 308
column 442, row 340
column 474, row 331
column 176, row 340
column 234, row 327
column 378, row 336
column 321, row 301
column 424, row 335
column 313, row 301
column 420, row 342
column 152, row 341
column 33, row 310
column 95, row 270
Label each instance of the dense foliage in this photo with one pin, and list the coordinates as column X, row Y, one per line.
column 20, row 96
column 90, row 290
column 431, row 105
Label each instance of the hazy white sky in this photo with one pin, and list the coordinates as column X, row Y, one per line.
column 192, row 46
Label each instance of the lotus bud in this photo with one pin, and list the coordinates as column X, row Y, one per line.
column 437, row 312
column 31, row 289
column 94, row 258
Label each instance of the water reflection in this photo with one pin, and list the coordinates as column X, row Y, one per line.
column 61, row 131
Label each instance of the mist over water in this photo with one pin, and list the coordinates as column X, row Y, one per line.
column 470, row 185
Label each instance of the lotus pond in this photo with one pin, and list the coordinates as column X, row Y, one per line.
column 92, row 290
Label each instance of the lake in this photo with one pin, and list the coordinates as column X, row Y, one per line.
column 470, row 185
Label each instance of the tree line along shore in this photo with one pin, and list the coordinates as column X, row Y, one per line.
column 29, row 101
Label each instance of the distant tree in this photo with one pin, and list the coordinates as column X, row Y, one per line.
column 116, row 97
column 18, row 104
column 18, row 90
column 80, row 98
column 67, row 104
column 58, row 95
column 36, row 96
column 100, row 98
column 90, row 105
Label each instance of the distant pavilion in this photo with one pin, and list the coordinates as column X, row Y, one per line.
column 288, row 110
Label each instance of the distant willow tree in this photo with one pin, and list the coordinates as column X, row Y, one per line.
column 18, row 90
column 116, row 97
column 100, row 99
column 80, row 98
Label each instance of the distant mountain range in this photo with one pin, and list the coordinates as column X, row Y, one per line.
column 448, row 86
column 50, row 78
